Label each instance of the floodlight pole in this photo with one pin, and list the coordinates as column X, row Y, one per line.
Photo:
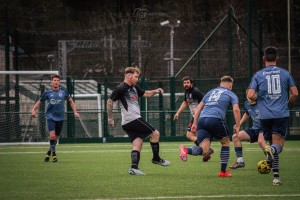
column 171, row 59
column 172, row 51
column 51, row 60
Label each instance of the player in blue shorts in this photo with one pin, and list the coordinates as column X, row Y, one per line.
column 211, row 124
column 55, row 98
column 252, row 134
column 137, row 129
column 275, row 90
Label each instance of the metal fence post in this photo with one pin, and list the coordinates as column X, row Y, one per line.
column 260, row 40
column 162, row 124
column 129, row 27
column 105, row 120
column 70, row 116
column 42, row 127
column 173, row 105
column 250, row 5
column 143, row 100
column 229, row 39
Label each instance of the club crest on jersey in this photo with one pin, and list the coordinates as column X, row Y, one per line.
column 134, row 97
column 60, row 94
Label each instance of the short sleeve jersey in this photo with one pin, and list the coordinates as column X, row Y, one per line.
column 193, row 97
column 253, row 112
column 217, row 101
column 128, row 101
column 55, row 103
column 272, row 85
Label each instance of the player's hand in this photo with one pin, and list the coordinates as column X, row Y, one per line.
column 236, row 129
column 111, row 122
column 159, row 91
column 33, row 114
column 76, row 115
column 194, row 128
column 176, row 116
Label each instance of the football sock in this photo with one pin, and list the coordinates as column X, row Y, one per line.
column 275, row 168
column 135, row 159
column 240, row 160
column 52, row 145
column 49, row 152
column 224, row 155
column 276, row 148
column 155, row 151
column 238, row 151
column 195, row 150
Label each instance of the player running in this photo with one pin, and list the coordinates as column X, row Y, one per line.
column 211, row 113
column 275, row 89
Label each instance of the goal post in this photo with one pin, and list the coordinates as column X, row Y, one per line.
column 19, row 90
column 91, row 129
column 29, row 72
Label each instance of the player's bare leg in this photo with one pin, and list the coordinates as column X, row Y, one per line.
column 237, row 141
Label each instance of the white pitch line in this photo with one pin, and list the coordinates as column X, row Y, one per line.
column 120, row 151
column 206, row 196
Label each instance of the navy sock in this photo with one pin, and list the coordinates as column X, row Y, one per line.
column 52, row 145
column 195, row 150
column 238, row 151
column 275, row 168
column 224, row 155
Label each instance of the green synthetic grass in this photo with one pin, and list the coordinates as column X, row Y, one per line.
column 99, row 171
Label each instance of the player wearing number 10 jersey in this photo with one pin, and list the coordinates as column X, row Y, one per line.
column 272, row 85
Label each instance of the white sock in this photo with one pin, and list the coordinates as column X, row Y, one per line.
column 240, row 160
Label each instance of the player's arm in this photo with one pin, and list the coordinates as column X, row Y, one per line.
column 183, row 105
column 293, row 95
column 237, row 117
column 73, row 106
column 109, row 107
column 35, row 107
column 251, row 94
column 245, row 117
column 196, row 116
column 150, row 93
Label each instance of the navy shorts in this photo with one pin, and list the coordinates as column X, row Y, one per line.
column 273, row 126
column 138, row 128
column 55, row 126
column 253, row 134
column 210, row 128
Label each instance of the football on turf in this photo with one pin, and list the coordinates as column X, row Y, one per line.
column 263, row 167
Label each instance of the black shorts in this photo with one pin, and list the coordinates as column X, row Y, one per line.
column 55, row 126
column 253, row 134
column 138, row 128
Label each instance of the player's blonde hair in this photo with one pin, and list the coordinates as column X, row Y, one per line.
column 227, row 79
column 132, row 70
